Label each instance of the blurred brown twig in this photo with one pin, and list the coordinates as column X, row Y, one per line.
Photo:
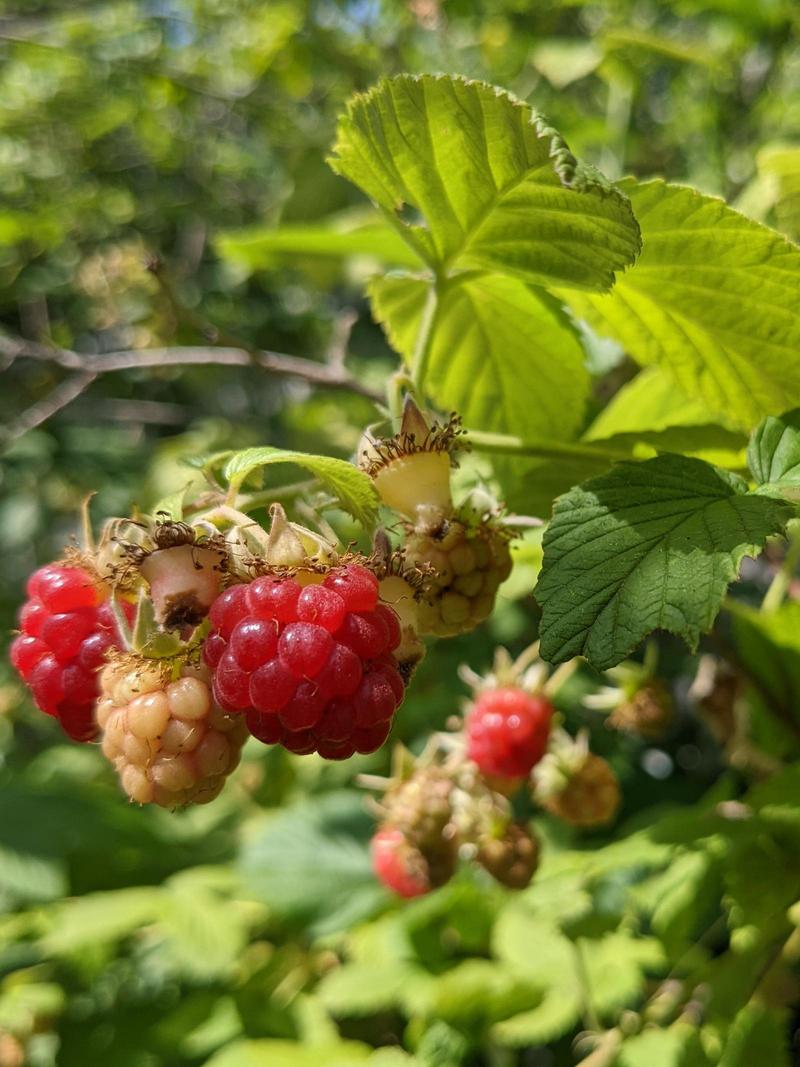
column 87, row 367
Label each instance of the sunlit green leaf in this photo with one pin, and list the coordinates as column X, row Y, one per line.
column 496, row 189
column 712, row 299
column 353, row 488
column 503, row 354
column 773, row 454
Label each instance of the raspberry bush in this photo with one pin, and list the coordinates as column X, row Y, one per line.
column 578, row 480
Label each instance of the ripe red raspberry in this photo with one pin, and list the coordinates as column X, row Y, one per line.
column 398, row 864
column 507, row 731
column 309, row 660
column 168, row 741
column 67, row 627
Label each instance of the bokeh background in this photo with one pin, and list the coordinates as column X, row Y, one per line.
column 189, row 130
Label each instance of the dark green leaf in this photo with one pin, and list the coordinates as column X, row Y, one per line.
column 648, row 546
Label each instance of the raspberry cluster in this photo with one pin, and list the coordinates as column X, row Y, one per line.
column 309, row 660
column 507, row 731
column 440, row 812
column 467, row 565
column 398, row 864
column 170, row 743
column 648, row 713
column 67, row 628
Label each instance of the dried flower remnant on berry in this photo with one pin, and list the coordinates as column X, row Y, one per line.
column 182, row 567
column 411, row 470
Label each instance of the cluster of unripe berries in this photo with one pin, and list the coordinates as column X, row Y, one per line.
column 441, row 810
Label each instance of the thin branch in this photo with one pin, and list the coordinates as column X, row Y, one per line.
column 64, row 393
column 138, row 412
column 189, row 355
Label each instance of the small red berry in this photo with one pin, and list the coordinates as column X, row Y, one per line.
column 253, row 642
column 366, row 634
column 398, row 864
column 68, row 627
column 264, row 727
column 274, row 598
column 65, row 588
column 25, row 653
column 304, row 648
column 507, row 731
column 272, row 686
column 356, row 585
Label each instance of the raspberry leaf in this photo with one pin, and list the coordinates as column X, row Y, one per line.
column 309, row 861
column 647, row 546
column 172, row 505
column 677, row 1046
column 651, row 410
column 487, row 184
column 519, row 366
column 352, row 488
column 336, row 238
column 773, row 454
column 768, row 649
column 758, row 1034
column 713, row 299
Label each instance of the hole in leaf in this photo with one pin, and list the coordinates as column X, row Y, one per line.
column 410, row 215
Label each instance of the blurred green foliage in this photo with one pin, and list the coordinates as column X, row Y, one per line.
column 188, row 130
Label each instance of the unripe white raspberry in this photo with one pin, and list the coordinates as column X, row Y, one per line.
column 170, row 743
column 467, row 566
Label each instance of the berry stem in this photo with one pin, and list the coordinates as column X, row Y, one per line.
column 779, row 586
column 225, row 513
column 508, row 444
column 424, row 342
column 398, row 385
column 86, row 525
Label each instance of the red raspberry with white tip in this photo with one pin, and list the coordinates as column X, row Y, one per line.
column 67, row 627
column 309, row 660
column 507, row 731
